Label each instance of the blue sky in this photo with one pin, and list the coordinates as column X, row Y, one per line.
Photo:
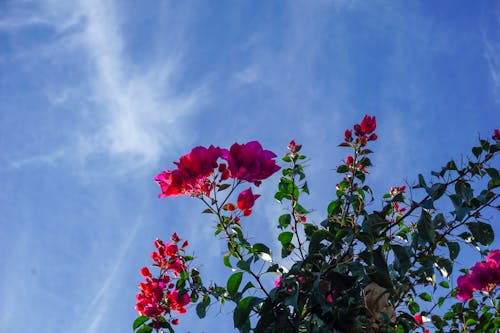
column 96, row 97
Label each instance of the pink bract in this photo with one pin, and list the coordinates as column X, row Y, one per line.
column 465, row 287
column 484, row 276
column 191, row 175
column 246, row 200
column 368, row 124
column 250, row 162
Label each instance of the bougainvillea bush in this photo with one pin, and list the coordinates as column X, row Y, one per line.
column 367, row 267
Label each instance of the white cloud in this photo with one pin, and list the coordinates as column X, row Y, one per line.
column 141, row 109
column 130, row 113
column 247, row 75
column 48, row 159
column 492, row 55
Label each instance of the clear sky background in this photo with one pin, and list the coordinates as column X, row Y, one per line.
column 97, row 97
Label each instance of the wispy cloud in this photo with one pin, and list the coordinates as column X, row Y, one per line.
column 132, row 113
column 47, row 159
column 492, row 55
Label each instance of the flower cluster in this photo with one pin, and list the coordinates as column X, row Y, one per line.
column 394, row 191
column 248, row 162
column 484, row 276
column 158, row 296
column 191, row 175
column 363, row 131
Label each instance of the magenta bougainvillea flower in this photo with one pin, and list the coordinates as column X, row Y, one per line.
column 246, row 200
column 496, row 134
column 247, row 161
column 178, row 302
column 191, row 175
column 368, row 125
column 277, row 282
column 485, row 276
column 250, row 162
column 363, row 131
column 158, row 295
column 348, row 135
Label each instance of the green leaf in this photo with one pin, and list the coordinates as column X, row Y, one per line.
column 201, row 308
column 470, row 322
column 421, row 181
column 299, row 209
column 444, row 284
column 260, row 248
column 227, row 261
column 437, row 190
column 242, row 310
column 448, row 315
column 493, row 183
column 244, row 264
column 280, row 196
column 249, row 285
column 426, row 297
column 139, row 321
column 284, row 220
column 233, row 283
column 477, row 151
column 285, row 237
column 305, row 188
column 464, row 190
column 482, row 232
column 334, row 207
column 365, row 161
column 342, row 168
column 445, row 266
column 454, row 249
column 316, row 240
column 145, row 329
column 403, row 257
column 222, row 187
column 493, row 173
column 413, row 307
column 425, row 228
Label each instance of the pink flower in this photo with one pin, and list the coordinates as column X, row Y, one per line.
column 368, row 124
column 496, row 134
column 357, row 130
column 418, row 318
column 178, row 302
column 250, row 162
column 246, row 200
column 348, row 135
column 277, row 282
column 145, row 272
column 465, row 287
column 484, row 276
column 349, row 160
column 191, row 175
column 171, row 249
column 494, row 256
column 175, row 237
